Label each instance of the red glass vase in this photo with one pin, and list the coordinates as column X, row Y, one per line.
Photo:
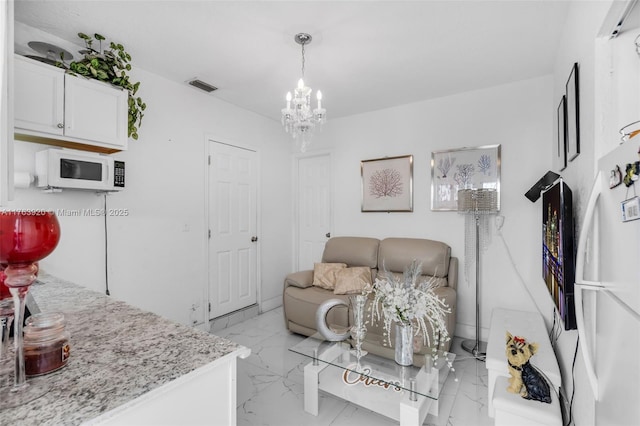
column 25, row 238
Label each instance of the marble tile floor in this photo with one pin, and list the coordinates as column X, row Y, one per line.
column 270, row 383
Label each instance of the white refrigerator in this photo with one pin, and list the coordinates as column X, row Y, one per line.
column 608, row 297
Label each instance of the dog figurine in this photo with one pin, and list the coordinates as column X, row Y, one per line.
column 525, row 379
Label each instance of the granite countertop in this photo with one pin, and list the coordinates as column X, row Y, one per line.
column 118, row 353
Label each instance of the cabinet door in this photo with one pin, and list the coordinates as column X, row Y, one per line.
column 95, row 111
column 39, row 96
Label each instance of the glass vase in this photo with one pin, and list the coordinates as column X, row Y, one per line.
column 404, row 343
column 358, row 330
column 25, row 238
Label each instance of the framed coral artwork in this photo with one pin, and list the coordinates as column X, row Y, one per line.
column 464, row 168
column 387, row 184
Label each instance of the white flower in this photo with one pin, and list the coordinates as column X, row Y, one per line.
column 408, row 301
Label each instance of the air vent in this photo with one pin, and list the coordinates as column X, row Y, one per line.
column 202, row 85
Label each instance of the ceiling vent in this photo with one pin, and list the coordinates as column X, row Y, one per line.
column 202, row 85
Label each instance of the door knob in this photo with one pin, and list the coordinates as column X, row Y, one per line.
column 254, row 239
column 328, row 235
column 60, row 126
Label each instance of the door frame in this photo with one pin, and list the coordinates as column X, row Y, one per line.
column 296, row 198
column 249, row 147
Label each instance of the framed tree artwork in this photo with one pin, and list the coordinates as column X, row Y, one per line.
column 387, row 184
column 573, row 114
column 464, row 168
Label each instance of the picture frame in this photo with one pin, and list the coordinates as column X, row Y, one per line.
column 562, row 134
column 572, row 94
column 387, row 184
column 463, row 168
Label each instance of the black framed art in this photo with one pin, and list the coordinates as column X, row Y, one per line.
column 572, row 94
column 562, row 135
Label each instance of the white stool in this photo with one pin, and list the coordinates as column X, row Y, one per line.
column 512, row 409
column 529, row 325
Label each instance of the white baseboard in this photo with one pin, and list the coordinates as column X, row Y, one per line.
column 466, row 331
column 269, row 304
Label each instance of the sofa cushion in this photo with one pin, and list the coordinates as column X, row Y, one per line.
column 352, row 280
column 354, row 251
column 395, row 254
column 324, row 274
column 302, row 279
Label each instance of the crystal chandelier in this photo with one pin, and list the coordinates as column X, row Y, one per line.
column 299, row 119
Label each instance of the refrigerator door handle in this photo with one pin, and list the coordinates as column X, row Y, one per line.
column 582, row 284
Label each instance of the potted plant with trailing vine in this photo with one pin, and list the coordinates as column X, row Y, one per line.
column 111, row 66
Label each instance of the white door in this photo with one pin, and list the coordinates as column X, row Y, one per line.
column 232, row 226
column 314, row 208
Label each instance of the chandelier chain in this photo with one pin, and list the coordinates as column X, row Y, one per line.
column 302, row 44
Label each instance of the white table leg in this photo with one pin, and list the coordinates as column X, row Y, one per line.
column 311, row 388
column 410, row 412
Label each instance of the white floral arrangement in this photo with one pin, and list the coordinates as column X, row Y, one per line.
column 411, row 302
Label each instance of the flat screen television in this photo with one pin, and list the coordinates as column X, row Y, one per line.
column 558, row 255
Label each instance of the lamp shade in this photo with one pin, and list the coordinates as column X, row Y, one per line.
column 478, row 201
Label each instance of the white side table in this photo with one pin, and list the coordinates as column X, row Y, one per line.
column 528, row 325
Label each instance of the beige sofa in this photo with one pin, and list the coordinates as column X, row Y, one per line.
column 301, row 298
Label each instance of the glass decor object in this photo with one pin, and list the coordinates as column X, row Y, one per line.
column 25, row 238
column 300, row 119
column 46, row 343
column 358, row 330
column 404, row 343
column 6, row 319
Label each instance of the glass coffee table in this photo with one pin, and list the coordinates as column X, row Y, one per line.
column 405, row 394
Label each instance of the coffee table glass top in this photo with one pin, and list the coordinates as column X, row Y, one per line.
column 376, row 370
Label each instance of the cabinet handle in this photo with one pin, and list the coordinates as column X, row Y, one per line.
column 60, row 126
column 328, row 235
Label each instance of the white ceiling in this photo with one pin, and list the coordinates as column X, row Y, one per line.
column 364, row 55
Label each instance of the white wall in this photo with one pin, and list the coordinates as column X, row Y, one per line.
column 157, row 254
column 578, row 44
column 517, row 116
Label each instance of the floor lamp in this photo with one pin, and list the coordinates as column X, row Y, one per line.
column 477, row 204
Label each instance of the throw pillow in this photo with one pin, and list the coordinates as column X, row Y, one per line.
column 324, row 274
column 352, row 280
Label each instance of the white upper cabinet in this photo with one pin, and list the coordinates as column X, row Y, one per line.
column 95, row 111
column 67, row 110
column 39, row 97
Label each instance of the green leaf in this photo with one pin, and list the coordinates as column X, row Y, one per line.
column 111, row 66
